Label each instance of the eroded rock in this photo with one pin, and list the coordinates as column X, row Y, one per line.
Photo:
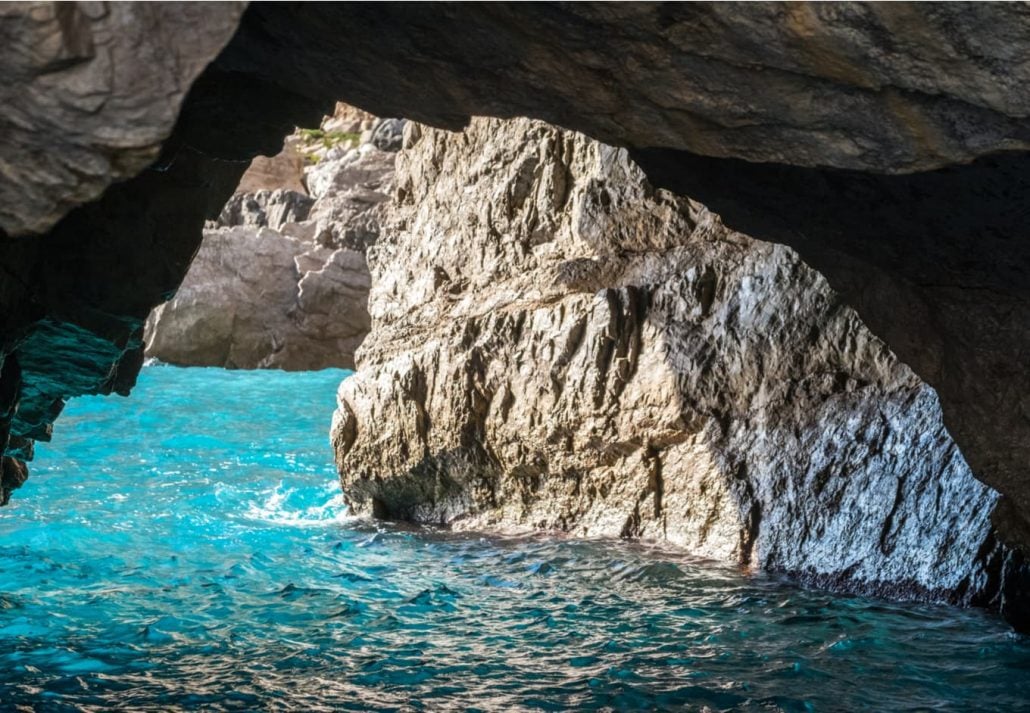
column 882, row 87
column 558, row 345
column 256, row 298
column 280, row 280
column 90, row 92
column 266, row 208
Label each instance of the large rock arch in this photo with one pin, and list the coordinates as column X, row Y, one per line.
column 823, row 102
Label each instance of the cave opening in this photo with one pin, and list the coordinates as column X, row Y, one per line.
column 764, row 340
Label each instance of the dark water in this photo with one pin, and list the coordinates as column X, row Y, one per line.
column 187, row 549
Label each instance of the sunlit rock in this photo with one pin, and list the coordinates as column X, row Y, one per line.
column 557, row 345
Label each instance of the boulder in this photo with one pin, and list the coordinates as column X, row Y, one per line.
column 255, row 298
column 558, row 345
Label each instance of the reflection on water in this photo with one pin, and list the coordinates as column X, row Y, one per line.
column 188, row 549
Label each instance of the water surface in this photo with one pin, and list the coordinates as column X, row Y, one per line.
column 187, row 548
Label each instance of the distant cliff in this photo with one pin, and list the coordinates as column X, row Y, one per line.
column 280, row 280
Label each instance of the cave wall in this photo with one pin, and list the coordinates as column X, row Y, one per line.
column 90, row 92
column 77, row 298
column 884, row 87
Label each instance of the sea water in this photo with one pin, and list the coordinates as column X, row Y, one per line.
column 188, row 549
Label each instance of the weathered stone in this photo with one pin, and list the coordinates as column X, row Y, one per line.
column 883, row 87
column 348, row 191
column 388, row 135
column 558, row 345
column 283, row 171
column 14, row 475
column 291, row 297
column 348, row 119
column 936, row 264
column 266, row 208
column 90, row 91
column 255, row 298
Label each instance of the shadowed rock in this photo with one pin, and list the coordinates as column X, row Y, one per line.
column 90, row 92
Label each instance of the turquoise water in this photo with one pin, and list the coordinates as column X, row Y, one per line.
column 187, row 549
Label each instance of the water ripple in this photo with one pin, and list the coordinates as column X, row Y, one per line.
column 187, row 549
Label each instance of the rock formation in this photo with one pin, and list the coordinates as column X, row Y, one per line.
column 822, row 101
column 895, row 87
column 280, row 280
column 90, row 92
column 828, row 96
column 558, row 345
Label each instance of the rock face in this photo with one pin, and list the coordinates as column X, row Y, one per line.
column 283, row 171
column 76, row 298
column 90, row 92
column 256, row 298
column 280, row 280
column 893, row 87
column 558, row 345
column 828, row 97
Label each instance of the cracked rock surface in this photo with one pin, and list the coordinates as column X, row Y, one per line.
column 280, row 280
column 558, row 345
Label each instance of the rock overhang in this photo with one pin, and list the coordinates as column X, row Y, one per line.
column 898, row 88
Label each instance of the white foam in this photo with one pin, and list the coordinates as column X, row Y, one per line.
column 275, row 509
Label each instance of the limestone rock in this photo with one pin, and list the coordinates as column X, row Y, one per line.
column 936, row 263
column 284, row 171
column 388, row 135
column 558, row 345
column 348, row 189
column 255, row 298
column 280, row 280
column 348, row 119
column 90, row 91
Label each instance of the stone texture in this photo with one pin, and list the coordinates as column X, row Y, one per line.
column 558, row 345
column 283, row 171
column 884, row 87
column 90, row 91
column 255, row 298
column 347, row 189
column 268, row 208
column 827, row 96
column 280, row 280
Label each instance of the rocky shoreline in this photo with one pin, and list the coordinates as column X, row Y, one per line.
column 557, row 341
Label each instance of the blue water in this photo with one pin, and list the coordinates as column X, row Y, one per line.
column 188, row 549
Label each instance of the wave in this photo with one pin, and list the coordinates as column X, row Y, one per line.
column 277, row 509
